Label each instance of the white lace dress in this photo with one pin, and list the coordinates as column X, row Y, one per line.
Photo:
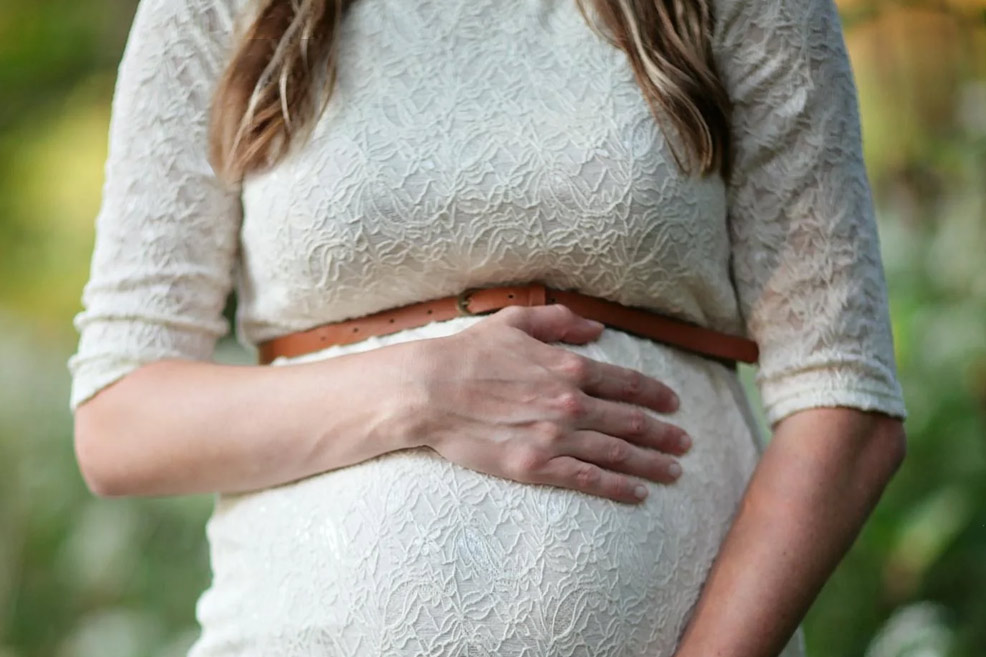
column 472, row 143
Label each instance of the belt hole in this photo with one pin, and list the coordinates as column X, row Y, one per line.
column 551, row 299
column 322, row 338
column 429, row 312
column 355, row 328
column 391, row 320
column 510, row 296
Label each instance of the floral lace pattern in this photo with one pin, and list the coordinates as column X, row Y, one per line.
column 468, row 146
column 464, row 146
column 409, row 554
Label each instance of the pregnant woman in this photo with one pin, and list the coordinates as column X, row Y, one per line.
column 421, row 207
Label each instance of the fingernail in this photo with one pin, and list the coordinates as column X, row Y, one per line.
column 684, row 441
column 674, row 470
column 640, row 491
column 675, row 401
column 594, row 324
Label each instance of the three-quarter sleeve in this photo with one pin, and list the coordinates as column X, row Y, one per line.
column 167, row 230
column 806, row 258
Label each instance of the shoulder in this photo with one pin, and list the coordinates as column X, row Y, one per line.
column 193, row 21
column 188, row 35
column 203, row 12
column 747, row 20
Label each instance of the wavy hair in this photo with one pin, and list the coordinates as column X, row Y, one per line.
column 283, row 69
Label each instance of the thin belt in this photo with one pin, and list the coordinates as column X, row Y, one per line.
column 482, row 300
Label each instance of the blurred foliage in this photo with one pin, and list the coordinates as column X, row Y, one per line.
column 83, row 577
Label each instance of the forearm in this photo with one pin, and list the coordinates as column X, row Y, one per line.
column 174, row 427
column 817, row 482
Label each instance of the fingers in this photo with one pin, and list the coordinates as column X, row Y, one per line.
column 557, row 322
column 633, row 424
column 570, row 472
column 551, row 323
column 620, row 456
column 615, row 382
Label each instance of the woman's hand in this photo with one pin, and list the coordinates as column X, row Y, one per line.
column 496, row 398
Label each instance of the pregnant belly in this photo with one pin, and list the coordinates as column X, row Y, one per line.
column 409, row 554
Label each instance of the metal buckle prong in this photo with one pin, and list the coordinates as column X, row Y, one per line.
column 462, row 301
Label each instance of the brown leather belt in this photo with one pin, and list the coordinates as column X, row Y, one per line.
column 479, row 301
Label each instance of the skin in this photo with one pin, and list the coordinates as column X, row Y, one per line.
column 498, row 399
column 813, row 489
column 541, row 414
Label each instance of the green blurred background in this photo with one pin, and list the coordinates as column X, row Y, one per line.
column 84, row 577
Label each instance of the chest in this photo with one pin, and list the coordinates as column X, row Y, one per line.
column 464, row 135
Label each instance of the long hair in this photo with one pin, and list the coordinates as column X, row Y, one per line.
column 270, row 92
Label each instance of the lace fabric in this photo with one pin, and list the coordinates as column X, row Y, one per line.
column 409, row 554
column 469, row 145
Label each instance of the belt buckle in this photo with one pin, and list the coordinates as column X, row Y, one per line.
column 462, row 300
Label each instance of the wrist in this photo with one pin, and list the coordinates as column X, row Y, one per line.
column 407, row 411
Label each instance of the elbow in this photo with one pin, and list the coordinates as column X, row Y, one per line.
column 98, row 460
column 886, row 448
column 899, row 446
column 895, row 442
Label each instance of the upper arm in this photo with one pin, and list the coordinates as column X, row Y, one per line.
column 805, row 251
column 167, row 230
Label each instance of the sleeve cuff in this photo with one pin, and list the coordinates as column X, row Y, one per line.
column 785, row 395
column 91, row 378
column 109, row 350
